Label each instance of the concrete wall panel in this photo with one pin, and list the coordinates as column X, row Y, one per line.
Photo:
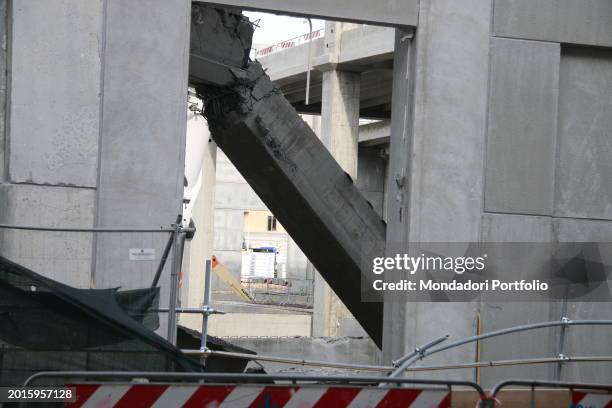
column 588, row 340
column 584, row 161
column 55, row 91
column 564, row 21
column 519, row 170
column 500, row 315
column 577, row 230
column 64, row 256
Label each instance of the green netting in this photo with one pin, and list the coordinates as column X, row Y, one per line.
column 49, row 326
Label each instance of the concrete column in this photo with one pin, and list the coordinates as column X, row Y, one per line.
column 437, row 160
column 339, row 133
column 340, row 117
column 142, row 135
column 201, row 247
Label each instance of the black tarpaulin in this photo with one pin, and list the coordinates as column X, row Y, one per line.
column 46, row 326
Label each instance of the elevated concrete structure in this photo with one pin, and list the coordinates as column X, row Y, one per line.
column 359, row 49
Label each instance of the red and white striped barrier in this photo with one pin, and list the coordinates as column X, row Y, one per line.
column 254, row 396
column 591, row 400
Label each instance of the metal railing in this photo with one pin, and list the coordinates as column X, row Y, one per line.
column 549, row 384
column 564, row 322
column 249, row 378
column 290, row 43
column 491, row 400
column 390, row 369
column 280, row 291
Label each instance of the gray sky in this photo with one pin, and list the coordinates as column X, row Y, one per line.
column 274, row 29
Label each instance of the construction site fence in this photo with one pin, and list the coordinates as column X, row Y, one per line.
column 280, row 291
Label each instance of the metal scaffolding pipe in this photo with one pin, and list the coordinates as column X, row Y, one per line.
column 208, row 310
column 386, row 369
column 409, row 358
column 516, row 329
column 291, row 361
column 177, row 260
column 70, row 229
column 248, row 378
column 550, row 384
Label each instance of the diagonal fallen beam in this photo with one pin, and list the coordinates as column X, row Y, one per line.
column 294, row 174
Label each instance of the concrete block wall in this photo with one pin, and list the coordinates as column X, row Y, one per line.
column 509, row 141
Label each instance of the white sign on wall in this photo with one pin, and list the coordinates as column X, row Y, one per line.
column 142, row 254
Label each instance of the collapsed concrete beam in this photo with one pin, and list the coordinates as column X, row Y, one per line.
column 296, row 177
column 220, row 41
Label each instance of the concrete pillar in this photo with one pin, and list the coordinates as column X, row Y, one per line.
column 340, row 117
column 200, row 248
column 436, row 170
column 339, row 133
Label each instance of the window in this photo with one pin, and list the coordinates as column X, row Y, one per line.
column 271, row 223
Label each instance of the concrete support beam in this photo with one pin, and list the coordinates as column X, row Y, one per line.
column 375, row 134
column 403, row 13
